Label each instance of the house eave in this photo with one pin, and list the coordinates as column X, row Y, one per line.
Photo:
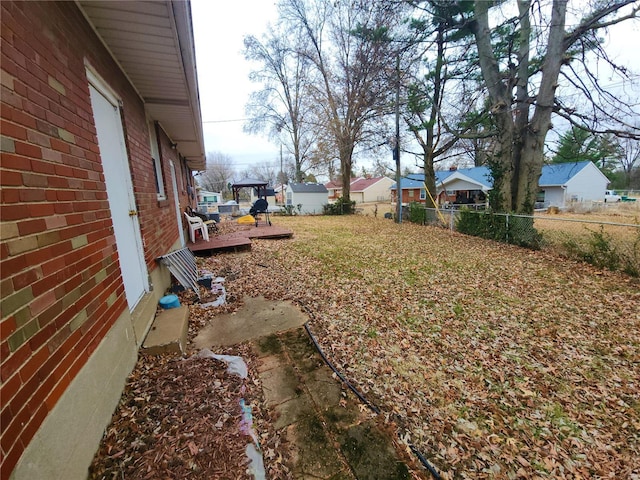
column 152, row 42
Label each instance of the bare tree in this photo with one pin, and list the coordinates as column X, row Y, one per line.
column 265, row 171
column 522, row 87
column 282, row 105
column 630, row 156
column 219, row 172
column 438, row 77
column 348, row 44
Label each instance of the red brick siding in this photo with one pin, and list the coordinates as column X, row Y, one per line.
column 60, row 278
column 406, row 198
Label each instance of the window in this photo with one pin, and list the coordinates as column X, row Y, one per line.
column 410, row 192
column 423, row 194
column 157, row 164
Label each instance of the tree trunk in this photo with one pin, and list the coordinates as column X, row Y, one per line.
column 517, row 164
column 430, row 182
column 345, row 171
column 531, row 156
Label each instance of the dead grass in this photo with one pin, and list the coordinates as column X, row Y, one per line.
column 499, row 361
column 495, row 361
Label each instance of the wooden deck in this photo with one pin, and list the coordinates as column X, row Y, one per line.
column 237, row 238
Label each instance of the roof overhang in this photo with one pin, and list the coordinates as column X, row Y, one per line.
column 153, row 44
column 463, row 181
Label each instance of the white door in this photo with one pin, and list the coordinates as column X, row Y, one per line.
column 120, row 193
column 176, row 201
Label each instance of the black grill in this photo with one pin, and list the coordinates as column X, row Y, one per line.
column 258, row 207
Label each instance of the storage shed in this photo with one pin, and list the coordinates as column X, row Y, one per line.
column 307, row 198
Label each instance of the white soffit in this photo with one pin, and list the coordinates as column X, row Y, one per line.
column 152, row 41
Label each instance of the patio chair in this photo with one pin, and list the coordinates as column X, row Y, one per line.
column 211, row 224
column 260, row 206
column 195, row 224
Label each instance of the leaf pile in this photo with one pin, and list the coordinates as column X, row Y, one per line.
column 501, row 362
column 179, row 418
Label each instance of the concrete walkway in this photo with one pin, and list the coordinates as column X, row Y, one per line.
column 333, row 436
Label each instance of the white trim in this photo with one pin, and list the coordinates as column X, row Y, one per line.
column 161, row 194
column 101, row 85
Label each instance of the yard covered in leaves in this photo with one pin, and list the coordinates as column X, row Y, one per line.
column 500, row 362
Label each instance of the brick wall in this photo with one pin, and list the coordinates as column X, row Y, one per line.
column 60, row 278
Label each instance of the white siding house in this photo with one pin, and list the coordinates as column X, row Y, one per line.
column 307, row 198
column 575, row 182
column 371, row 190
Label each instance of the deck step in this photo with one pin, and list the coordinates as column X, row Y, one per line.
column 168, row 333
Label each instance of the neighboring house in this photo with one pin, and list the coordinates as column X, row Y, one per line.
column 334, row 189
column 371, row 190
column 412, row 191
column 465, row 185
column 101, row 134
column 310, row 197
column 565, row 183
column 363, row 190
column 560, row 185
column 209, row 197
column 208, row 201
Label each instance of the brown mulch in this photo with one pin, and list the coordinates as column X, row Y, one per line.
column 176, row 419
column 180, row 418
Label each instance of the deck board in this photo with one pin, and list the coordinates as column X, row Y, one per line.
column 239, row 238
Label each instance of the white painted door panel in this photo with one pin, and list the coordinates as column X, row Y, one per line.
column 121, row 199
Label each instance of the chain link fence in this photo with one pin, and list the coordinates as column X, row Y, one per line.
column 611, row 245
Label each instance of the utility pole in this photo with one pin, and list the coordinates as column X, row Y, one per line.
column 396, row 148
column 281, row 179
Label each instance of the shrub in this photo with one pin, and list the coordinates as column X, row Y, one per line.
column 416, row 213
column 517, row 230
column 602, row 253
column 287, row 210
column 631, row 262
column 340, row 207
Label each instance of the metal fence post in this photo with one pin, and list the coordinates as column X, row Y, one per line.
column 507, row 229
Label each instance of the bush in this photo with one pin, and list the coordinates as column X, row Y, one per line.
column 340, row 207
column 517, row 230
column 416, row 213
column 287, row 210
column 602, row 253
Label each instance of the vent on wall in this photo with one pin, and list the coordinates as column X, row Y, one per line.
column 182, row 265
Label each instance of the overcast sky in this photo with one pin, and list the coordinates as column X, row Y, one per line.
column 219, row 28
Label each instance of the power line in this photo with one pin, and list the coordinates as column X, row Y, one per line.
column 227, row 121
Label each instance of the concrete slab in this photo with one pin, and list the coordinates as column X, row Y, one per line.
column 370, row 454
column 323, row 388
column 292, row 411
column 315, row 455
column 168, row 333
column 279, row 385
column 257, row 318
column 268, row 363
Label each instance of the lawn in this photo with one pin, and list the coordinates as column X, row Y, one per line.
column 495, row 361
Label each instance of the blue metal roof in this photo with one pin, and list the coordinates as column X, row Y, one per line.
column 408, row 183
column 560, row 173
column 477, row 174
column 555, row 174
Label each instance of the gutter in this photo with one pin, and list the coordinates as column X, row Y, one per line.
column 184, row 34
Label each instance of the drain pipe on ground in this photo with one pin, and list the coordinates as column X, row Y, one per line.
column 371, row 406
